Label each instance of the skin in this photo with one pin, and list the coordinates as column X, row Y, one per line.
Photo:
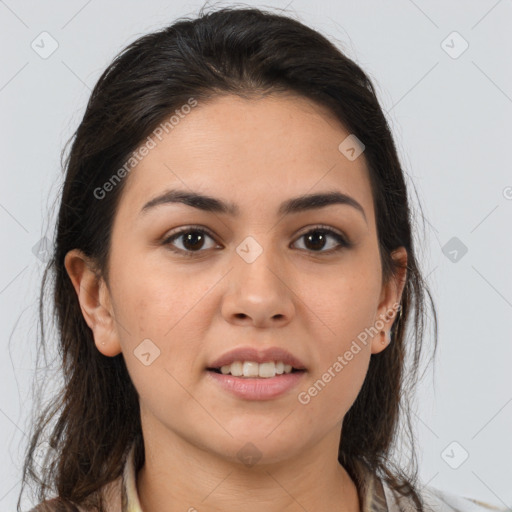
column 256, row 153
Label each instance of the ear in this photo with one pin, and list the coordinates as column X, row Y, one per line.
column 390, row 299
column 95, row 303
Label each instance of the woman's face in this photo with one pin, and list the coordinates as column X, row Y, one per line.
column 263, row 276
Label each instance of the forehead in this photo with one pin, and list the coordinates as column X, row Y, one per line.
column 251, row 152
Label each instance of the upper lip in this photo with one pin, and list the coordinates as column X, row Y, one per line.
column 258, row 356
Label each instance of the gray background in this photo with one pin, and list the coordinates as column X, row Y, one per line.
column 450, row 113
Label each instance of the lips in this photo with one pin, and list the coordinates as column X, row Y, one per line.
column 258, row 356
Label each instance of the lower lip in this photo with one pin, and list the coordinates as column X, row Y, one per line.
column 257, row 388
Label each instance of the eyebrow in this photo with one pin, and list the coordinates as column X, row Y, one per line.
column 290, row 206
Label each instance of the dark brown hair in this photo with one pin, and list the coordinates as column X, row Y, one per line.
column 240, row 51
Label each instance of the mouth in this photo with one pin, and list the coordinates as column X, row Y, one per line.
column 249, row 362
column 218, row 370
column 250, row 373
column 256, row 381
column 255, row 370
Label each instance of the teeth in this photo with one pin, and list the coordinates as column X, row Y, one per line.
column 253, row 369
column 250, row 369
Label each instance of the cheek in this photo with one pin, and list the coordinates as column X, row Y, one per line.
column 153, row 299
column 335, row 386
column 346, row 307
column 345, row 302
column 157, row 342
column 160, row 312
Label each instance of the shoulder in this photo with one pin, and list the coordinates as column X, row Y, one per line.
column 439, row 501
column 111, row 493
column 56, row 505
column 456, row 502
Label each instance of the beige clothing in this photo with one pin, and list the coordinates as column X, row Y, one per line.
column 375, row 495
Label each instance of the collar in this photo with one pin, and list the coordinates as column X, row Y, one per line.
column 130, row 499
column 371, row 491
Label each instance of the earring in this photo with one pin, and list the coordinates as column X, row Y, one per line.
column 397, row 322
column 387, row 337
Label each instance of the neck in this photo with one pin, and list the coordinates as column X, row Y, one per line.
column 178, row 476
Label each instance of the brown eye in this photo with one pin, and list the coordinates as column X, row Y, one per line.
column 192, row 240
column 316, row 239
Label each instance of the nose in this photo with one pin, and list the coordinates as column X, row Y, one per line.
column 260, row 293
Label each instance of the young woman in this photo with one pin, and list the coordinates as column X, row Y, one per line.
column 234, row 272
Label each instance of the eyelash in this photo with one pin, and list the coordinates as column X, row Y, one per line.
column 343, row 242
